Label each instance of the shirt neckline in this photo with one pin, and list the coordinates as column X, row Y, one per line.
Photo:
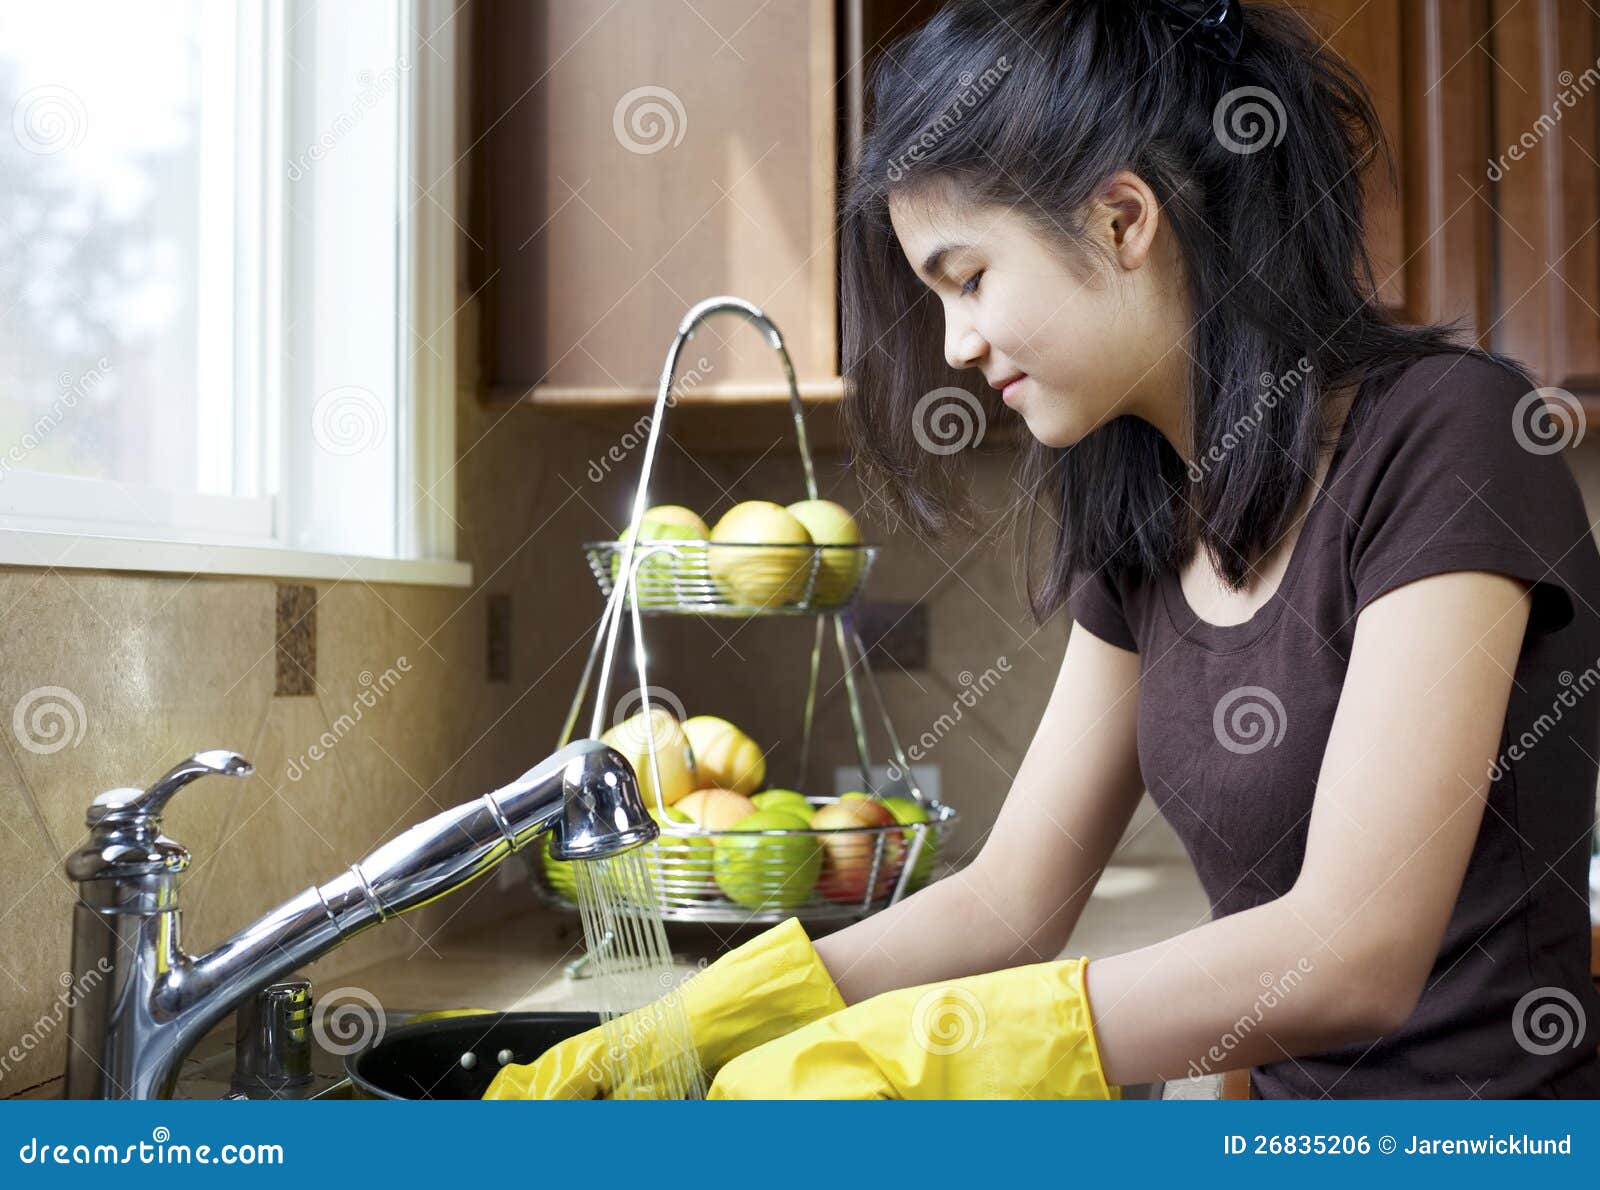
column 1231, row 637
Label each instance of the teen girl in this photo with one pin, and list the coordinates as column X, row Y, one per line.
column 1335, row 596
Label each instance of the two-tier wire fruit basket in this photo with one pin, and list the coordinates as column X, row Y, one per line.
column 731, row 875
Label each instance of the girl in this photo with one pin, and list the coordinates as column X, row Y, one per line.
column 1335, row 593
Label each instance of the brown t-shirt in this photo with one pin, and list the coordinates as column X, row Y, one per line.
column 1430, row 475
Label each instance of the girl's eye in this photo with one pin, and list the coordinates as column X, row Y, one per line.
column 972, row 284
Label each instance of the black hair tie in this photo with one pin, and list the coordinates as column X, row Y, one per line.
column 1216, row 26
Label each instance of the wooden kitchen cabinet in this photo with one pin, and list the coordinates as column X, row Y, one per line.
column 633, row 158
column 1494, row 218
column 1546, row 238
column 593, row 234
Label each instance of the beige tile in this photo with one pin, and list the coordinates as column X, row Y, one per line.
column 138, row 672
column 35, row 919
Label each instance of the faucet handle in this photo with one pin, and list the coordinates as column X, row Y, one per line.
column 128, row 805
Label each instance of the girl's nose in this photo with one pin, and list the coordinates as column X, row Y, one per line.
column 964, row 347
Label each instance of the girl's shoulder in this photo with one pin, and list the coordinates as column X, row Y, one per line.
column 1460, row 463
column 1473, row 400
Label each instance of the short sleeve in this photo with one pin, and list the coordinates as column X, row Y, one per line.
column 1094, row 602
column 1466, row 476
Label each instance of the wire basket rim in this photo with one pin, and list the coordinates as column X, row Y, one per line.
column 656, row 543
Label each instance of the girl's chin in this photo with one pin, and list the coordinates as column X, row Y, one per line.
column 1053, row 428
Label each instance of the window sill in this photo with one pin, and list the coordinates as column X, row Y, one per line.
column 83, row 552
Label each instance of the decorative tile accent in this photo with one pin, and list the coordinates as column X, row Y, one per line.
column 296, row 632
column 498, row 642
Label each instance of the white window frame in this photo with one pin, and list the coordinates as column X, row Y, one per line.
column 196, row 533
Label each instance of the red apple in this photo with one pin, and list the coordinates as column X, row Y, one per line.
column 847, row 857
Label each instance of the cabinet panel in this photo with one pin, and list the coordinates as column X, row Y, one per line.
column 1367, row 34
column 1547, row 182
column 635, row 157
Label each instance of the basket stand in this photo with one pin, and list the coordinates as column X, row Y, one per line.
column 835, row 623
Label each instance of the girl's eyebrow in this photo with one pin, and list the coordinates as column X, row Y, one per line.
column 932, row 265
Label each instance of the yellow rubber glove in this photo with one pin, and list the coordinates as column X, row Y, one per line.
column 1021, row 1033
column 773, row 983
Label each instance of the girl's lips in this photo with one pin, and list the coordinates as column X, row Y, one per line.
column 1009, row 393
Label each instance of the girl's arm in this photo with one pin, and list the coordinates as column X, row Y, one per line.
column 1400, row 796
column 1019, row 899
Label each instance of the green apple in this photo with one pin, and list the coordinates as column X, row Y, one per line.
column 829, row 524
column 677, row 514
column 662, row 575
column 768, row 871
column 907, row 812
column 791, row 800
column 682, row 863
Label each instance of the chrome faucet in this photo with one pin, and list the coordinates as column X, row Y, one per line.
column 149, row 1002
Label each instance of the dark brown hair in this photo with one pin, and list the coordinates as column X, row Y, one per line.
column 1258, row 166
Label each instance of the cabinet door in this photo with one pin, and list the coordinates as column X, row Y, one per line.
column 1428, row 66
column 635, row 157
column 1402, row 49
column 1547, row 184
column 1367, row 34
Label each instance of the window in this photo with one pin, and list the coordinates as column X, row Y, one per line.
column 224, row 288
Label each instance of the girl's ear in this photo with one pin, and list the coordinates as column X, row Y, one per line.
column 1130, row 217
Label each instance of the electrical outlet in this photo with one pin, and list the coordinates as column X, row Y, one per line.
column 895, row 635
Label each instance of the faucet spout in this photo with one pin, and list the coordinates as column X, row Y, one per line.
column 133, row 1028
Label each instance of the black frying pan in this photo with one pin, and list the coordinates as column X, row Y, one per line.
column 424, row 1061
